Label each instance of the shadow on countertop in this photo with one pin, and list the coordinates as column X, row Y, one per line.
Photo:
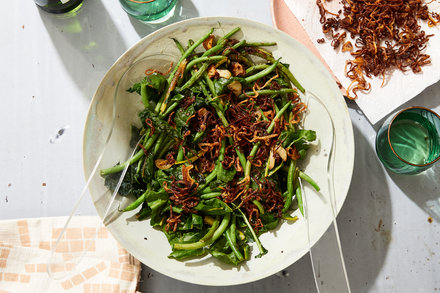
column 88, row 43
column 365, row 220
column 424, row 188
column 185, row 9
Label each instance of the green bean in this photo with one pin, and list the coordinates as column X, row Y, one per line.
column 268, row 56
column 262, row 114
column 268, row 92
column 144, row 96
column 300, row 200
column 183, row 57
column 179, row 46
column 196, row 76
column 259, row 206
column 211, row 176
column 215, row 49
column 198, row 60
column 137, row 202
column 167, row 146
column 236, row 46
column 221, row 229
column 180, row 154
column 290, row 186
column 228, row 35
column 199, row 135
column 254, row 150
column 275, row 169
column 134, row 159
column 262, row 250
column 247, row 172
column 277, row 116
column 309, row 180
column 257, row 67
column 210, row 195
column 262, row 73
column 169, row 110
column 158, row 144
column 221, row 154
column 261, row 44
column 210, row 85
column 208, row 189
column 232, row 241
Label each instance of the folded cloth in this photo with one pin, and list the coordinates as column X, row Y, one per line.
column 25, row 248
column 380, row 100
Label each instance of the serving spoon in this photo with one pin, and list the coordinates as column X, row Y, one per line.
column 61, row 265
column 326, row 256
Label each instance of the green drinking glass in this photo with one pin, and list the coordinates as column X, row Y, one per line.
column 409, row 141
column 151, row 11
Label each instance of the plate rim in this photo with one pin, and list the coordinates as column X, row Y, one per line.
column 214, row 19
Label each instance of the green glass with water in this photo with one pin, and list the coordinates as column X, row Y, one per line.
column 409, row 141
column 149, row 10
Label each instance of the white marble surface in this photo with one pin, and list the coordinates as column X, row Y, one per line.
column 50, row 68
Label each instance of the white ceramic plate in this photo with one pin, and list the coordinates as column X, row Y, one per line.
column 286, row 244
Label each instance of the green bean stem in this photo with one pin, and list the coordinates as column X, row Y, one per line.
column 262, row 250
column 179, row 46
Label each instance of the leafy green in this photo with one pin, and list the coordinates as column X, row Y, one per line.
column 225, row 175
column 299, row 138
column 159, row 124
column 130, row 185
column 213, row 206
column 156, row 84
column 182, row 115
column 186, row 254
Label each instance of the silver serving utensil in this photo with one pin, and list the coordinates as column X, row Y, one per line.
column 326, row 255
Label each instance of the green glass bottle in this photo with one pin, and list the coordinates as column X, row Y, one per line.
column 59, row 6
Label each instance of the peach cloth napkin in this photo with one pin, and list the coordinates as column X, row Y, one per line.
column 25, row 246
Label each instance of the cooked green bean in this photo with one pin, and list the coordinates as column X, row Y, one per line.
column 216, row 167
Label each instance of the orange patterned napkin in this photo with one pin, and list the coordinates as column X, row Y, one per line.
column 25, row 249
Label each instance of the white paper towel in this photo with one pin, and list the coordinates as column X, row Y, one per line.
column 400, row 88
